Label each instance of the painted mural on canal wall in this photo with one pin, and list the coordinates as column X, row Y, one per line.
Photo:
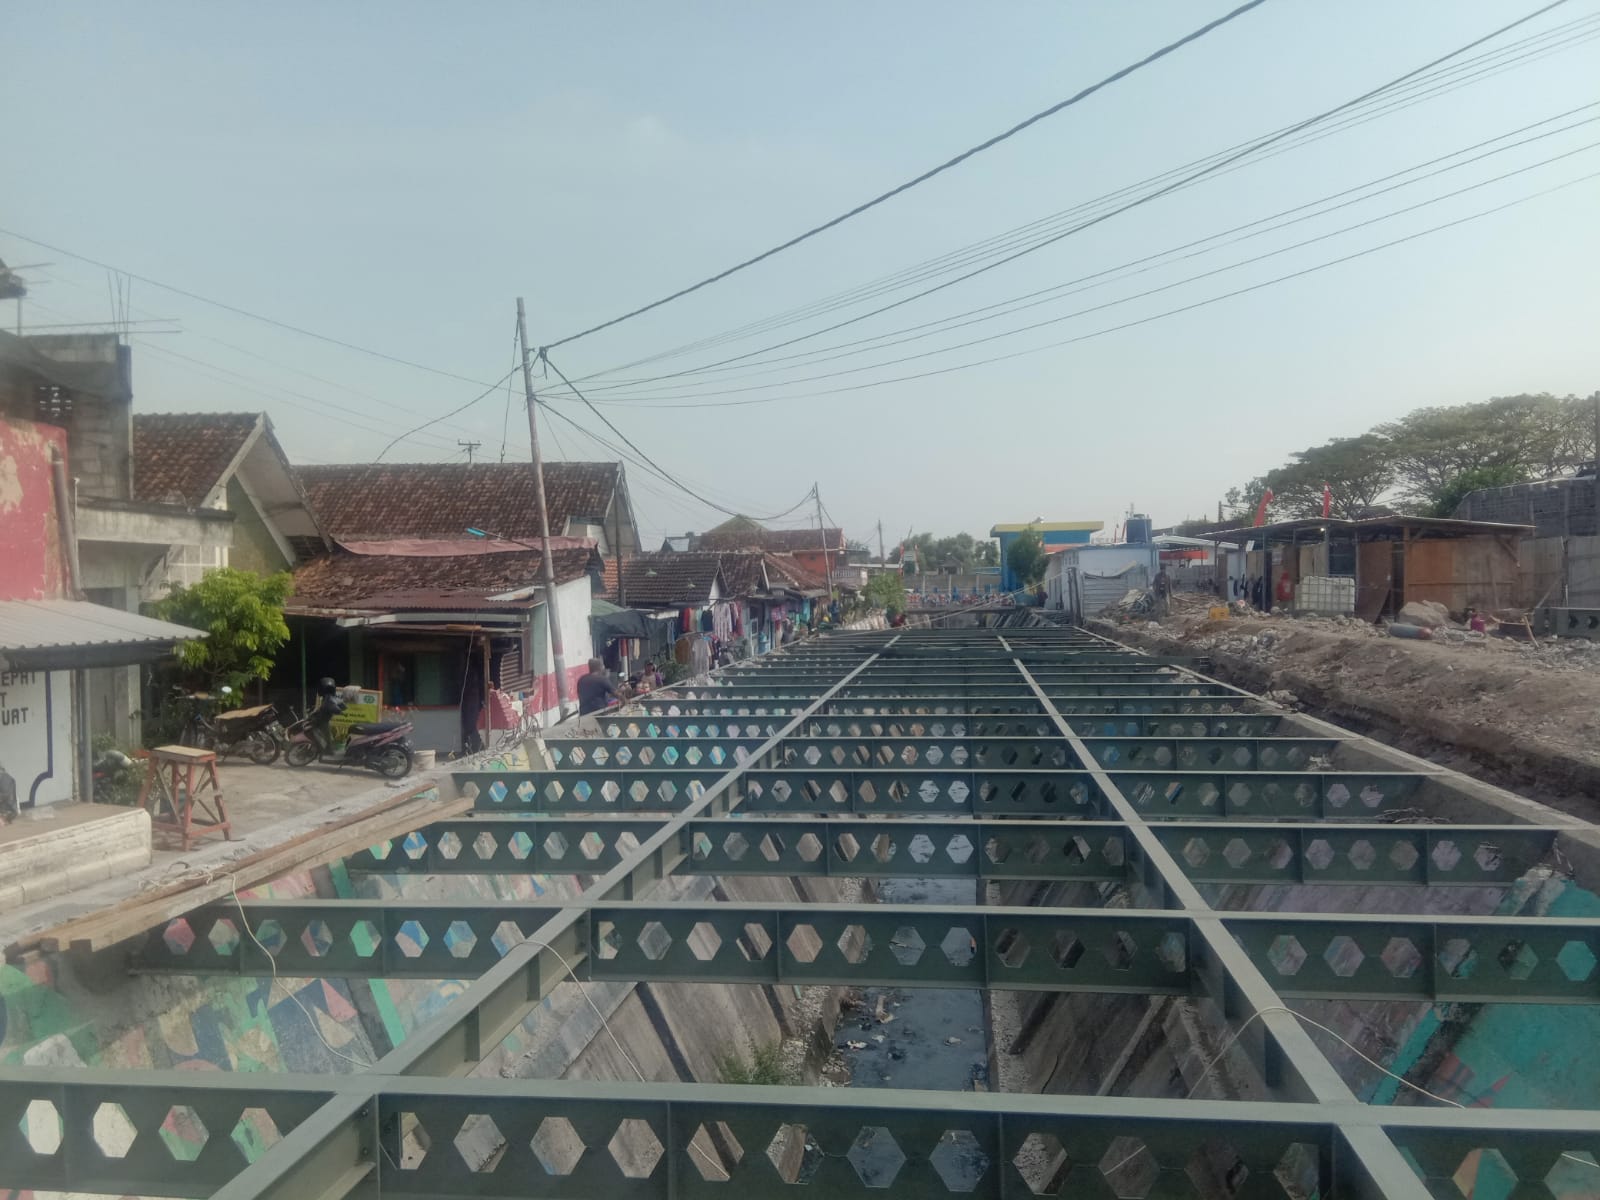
column 56, row 1013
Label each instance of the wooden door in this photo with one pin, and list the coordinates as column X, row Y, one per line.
column 1374, row 578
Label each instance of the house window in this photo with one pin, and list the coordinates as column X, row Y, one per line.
column 423, row 678
column 187, row 563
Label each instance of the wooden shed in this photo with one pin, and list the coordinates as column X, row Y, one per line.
column 1396, row 559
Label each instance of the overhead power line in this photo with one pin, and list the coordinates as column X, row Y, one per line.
column 243, row 312
column 949, row 163
column 432, row 421
column 1423, row 87
column 661, row 471
column 1137, row 201
column 1192, row 249
column 1146, row 320
column 652, row 469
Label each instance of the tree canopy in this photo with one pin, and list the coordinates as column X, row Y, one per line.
column 887, row 591
column 1026, row 557
column 242, row 615
column 1427, row 460
column 957, row 554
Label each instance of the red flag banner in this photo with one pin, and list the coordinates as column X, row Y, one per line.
column 1261, row 509
column 1327, row 500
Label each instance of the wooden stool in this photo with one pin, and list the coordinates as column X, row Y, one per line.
column 174, row 788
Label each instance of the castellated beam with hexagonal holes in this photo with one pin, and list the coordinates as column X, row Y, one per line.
column 1223, row 950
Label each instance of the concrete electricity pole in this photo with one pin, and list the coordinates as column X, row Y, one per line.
column 547, row 565
column 816, row 494
column 880, row 543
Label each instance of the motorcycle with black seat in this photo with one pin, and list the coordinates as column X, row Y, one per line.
column 381, row 746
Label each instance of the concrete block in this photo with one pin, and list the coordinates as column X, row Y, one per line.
column 53, row 851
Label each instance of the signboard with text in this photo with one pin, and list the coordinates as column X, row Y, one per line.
column 362, row 710
column 36, row 734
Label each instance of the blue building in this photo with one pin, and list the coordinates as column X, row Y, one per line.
column 1056, row 535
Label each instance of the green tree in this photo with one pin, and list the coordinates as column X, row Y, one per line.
column 885, row 590
column 1357, row 471
column 1026, row 556
column 242, row 616
column 957, row 554
column 1241, row 503
column 1537, row 435
column 1454, row 491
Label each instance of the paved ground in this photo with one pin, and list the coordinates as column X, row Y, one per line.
column 259, row 797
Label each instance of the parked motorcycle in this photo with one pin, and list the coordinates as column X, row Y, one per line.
column 255, row 732
column 383, row 746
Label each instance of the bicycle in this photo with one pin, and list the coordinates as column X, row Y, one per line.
column 527, row 726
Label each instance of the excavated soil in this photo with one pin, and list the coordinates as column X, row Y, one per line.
column 1522, row 715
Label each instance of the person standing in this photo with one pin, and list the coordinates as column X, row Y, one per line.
column 1163, row 590
column 595, row 690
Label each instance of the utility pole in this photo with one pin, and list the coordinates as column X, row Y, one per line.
column 822, row 534
column 469, row 447
column 547, row 565
column 880, row 543
column 616, row 537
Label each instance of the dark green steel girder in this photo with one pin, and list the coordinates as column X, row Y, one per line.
column 1255, row 725
column 478, row 1137
column 1142, row 705
column 1066, row 794
column 406, row 1137
column 1323, row 956
column 693, row 727
column 998, row 665
column 1154, row 686
column 897, row 847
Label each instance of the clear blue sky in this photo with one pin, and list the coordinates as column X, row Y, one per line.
column 394, row 174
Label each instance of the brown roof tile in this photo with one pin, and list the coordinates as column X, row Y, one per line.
column 179, row 457
column 379, row 500
column 742, row 573
column 729, row 536
column 668, row 579
column 400, row 581
column 784, row 570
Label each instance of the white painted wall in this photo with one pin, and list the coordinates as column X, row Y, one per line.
column 36, row 734
column 574, row 603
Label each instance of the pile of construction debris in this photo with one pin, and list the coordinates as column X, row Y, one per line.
column 1260, row 637
column 1529, row 710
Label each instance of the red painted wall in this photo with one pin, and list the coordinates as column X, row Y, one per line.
column 32, row 565
column 818, row 562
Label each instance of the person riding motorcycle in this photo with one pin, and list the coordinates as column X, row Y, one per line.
column 328, row 707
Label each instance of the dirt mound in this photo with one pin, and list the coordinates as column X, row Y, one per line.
column 1524, row 714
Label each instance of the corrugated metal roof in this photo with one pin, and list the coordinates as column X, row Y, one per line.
column 31, row 629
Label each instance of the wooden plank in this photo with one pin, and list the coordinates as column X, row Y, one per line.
column 328, row 843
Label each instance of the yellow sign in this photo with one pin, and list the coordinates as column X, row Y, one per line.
column 364, row 709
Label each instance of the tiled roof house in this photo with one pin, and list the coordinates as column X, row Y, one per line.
column 227, row 462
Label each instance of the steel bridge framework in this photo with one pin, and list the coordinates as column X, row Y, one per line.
column 1041, row 754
